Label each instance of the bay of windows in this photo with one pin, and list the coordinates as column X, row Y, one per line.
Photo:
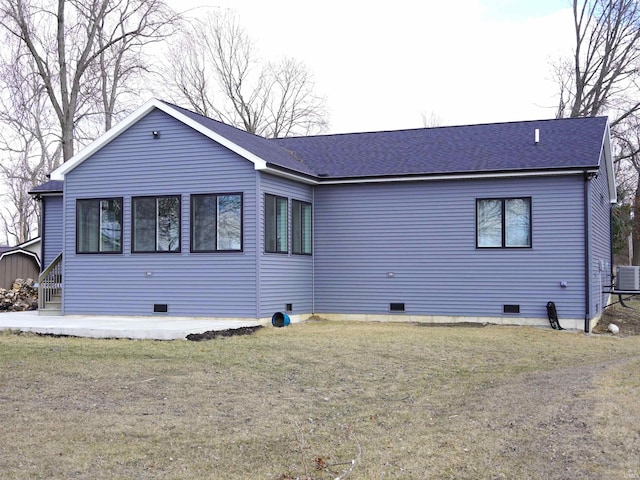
column 216, row 224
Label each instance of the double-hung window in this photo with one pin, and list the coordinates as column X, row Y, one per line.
column 300, row 227
column 276, row 213
column 155, row 224
column 216, row 222
column 99, row 225
column 503, row 222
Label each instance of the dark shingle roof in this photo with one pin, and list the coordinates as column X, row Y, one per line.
column 260, row 146
column 571, row 143
column 52, row 186
column 564, row 144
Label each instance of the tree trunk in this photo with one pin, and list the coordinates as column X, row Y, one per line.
column 67, row 139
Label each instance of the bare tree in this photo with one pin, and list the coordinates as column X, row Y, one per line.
column 603, row 74
column 69, row 41
column 20, row 214
column 602, row 78
column 431, row 120
column 67, row 70
column 222, row 77
column 29, row 142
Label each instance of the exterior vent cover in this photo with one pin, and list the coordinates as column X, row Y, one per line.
column 160, row 308
column 628, row 278
column 396, row 307
column 511, row 309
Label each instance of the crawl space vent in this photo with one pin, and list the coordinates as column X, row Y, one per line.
column 396, row 307
column 160, row 308
column 511, row 308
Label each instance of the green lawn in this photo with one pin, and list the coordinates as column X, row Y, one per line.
column 323, row 400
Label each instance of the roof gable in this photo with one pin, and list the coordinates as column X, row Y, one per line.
column 175, row 112
column 25, row 249
column 21, row 251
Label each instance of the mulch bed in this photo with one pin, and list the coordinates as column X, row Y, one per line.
column 627, row 319
column 210, row 335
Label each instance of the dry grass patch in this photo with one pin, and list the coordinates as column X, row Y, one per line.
column 322, row 400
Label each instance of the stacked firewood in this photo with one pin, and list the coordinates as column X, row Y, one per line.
column 22, row 296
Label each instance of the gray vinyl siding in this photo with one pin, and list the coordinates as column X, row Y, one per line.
column 415, row 243
column 180, row 162
column 600, row 240
column 53, row 223
column 284, row 278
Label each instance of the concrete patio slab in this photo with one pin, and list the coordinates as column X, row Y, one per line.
column 102, row 326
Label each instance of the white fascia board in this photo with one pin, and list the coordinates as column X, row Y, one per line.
column 611, row 176
column 290, row 176
column 28, row 243
column 259, row 163
column 468, row 176
column 97, row 144
column 62, row 170
column 49, row 194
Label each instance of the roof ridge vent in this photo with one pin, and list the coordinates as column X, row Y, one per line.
column 536, row 136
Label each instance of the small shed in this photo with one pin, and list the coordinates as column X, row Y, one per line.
column 21, row 261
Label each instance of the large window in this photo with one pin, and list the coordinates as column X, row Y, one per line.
column 300, row 227
column 503, row 223
column 99, row 225
column 276, row 211
column 156, row 224
column 216, row 222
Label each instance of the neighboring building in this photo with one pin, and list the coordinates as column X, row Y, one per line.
column 174, row 213
column 21, row 261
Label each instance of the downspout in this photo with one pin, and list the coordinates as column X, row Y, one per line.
column 587, row 254
column 64, row 244
column 259, row 209
column 313, row 250
column 41, row 201
column 611, row 239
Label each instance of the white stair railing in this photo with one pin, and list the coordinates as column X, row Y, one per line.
column 50, row 283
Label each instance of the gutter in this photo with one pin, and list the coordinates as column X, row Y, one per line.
column 322, row 179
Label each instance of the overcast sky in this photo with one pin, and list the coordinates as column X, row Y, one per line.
column 382, row 64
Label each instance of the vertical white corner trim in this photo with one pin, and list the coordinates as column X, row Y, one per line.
column 611, row 176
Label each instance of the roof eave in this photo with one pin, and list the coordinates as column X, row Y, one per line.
column 47, row 193
column 290, row 174
column 28, row 243
column 457, row 175
column 608, row 158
